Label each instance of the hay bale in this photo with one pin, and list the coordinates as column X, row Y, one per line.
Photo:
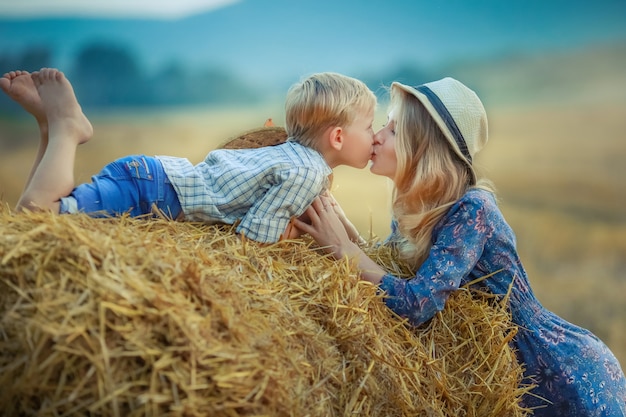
column 135, row 317
column 268, row 135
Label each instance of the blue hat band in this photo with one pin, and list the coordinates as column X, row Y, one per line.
column 447, row 119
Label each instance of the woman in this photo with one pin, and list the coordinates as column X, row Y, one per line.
column 447, row 225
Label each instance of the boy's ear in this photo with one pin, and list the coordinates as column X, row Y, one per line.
column 336, row 138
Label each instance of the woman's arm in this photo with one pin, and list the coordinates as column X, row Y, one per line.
column 456, row 249
column 335, row 234
column 458, row 244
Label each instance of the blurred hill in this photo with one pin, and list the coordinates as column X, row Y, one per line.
column 591, row 74
column 106, row 76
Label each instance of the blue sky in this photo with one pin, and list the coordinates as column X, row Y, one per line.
column 275, row 39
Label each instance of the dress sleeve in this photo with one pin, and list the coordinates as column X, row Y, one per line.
column 291, row 192
column 458, row 242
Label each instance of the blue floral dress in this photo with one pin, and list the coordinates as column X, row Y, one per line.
column 573, row 369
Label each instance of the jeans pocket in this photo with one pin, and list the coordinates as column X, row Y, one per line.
column 138, row 167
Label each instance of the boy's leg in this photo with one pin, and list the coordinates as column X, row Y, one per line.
column 68, row 127
column 20, row 87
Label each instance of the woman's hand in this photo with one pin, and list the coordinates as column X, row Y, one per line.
column 325, row 226
column 329, row 231
column 329, row 201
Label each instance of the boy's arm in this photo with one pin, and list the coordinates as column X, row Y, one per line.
column 291, row 193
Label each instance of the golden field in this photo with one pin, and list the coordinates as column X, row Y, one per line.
column 558, row 166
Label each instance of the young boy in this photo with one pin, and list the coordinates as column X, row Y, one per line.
column 328, row 119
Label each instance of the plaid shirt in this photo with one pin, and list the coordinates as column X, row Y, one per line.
column 263, row 188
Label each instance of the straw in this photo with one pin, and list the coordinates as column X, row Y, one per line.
column 149, row 317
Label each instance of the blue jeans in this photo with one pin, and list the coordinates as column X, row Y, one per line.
column 132, row 184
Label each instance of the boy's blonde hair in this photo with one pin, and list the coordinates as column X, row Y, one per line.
column 324, row 100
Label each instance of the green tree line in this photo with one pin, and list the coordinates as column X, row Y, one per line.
column 108, row 76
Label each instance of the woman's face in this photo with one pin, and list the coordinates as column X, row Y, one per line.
column 384, row 157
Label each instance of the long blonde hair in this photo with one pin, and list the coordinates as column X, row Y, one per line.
column 429, row 178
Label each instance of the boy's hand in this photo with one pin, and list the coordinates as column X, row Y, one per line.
column 292, row 232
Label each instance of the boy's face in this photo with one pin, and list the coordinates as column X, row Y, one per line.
column 358, row 140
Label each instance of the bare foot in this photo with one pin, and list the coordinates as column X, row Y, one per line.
column 65, row 116
column 20, row 87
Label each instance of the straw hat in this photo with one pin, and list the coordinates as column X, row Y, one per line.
column 459, row 113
